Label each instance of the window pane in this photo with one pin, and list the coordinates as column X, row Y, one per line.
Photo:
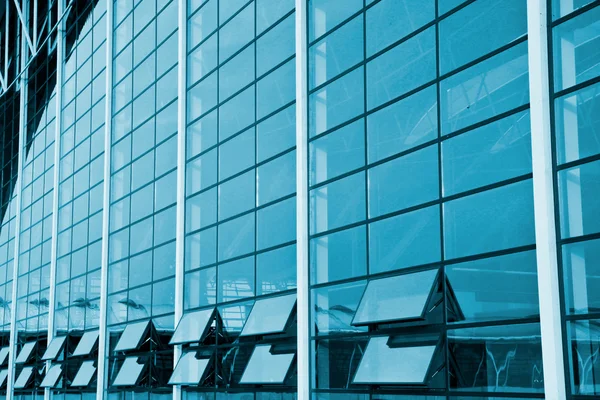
column 336, row 52
column 578, row 190
column 236, row 114
column 485, row 90
column 87, row 343
column 236, row 237
column 502, row 287
column 237, row 195
column 337, row 204
column 234, row 34
column 277, row 178
column 326, row 14
column 581, row 265
column 405, row 240
column 577, row 121
column 25, row 353
column 201, row 24
column 338, row 152
column 265, row 367
column 23, row 378
column 52, row 376
column 334, row 308
column 276, row 270
column 396, row 298
column 276, row 224
column 53, row 349
column 495, row 152
column 497, row 219
column 404, row 182
column 338, row 255
column 132, row 336
column 84, row 374
column 269, row 315
column 465, row 35
column 192, row 326
column 276, row 134
column 401, row 69
column 583, row 357
column 402, row 125
column 276, row 89
column 129, row 373
column 236, row 154
column 3, row 354
column 276, row 45
column 236, row 280
column 189, row 370
column 202, row 97
column 560, row 8
column 576, row 54
column 237, row 73
column 268, row 12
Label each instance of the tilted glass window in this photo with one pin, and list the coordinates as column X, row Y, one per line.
column 84, row 374
column 3, row 376
column 265, row 367
column 52, row 376
column 192, row 327
column 189, row 370
column 54, row 348
column 380, row 365
column 25, row 352
column 129, row 373
column 132, row 336
column 4, row 354
column 269, row 315
column 24, row 377
column 87, row 343
column 397, row 298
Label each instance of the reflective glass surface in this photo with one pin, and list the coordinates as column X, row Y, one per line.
column 189, row 370
column 25, row 353
column 192, row 326
column 132, row 336
column 578, row 188
column 4, row 354
column 23, row 378
column 52, row 376
column 84, row 374
column 265, row 367
column 129, row 373
column 269, row 315
column 54, row 348
column 86, row 343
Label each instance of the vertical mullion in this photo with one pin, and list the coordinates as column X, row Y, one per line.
column 181, row 158
column 18, row 189
column 302, row 200
column 102, row 345
column 543, row 195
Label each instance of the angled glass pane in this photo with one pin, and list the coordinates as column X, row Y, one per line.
column 265, row 367
column 4, row 354
column 192, row 326
column 25, row 352
column 84, row 374
column 3, row 376
column 23, row 377
column 269, row 315
column 55, row 346
column 52, row 376
column 132, row 336
column 129, row 373
column 86, row 344
column 396, row 298
column 334, row 308
column 380, row 365
column 189, row 370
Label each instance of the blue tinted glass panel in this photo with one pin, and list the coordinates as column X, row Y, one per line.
column 276, row 89
column 492, row 153
column 326, row 14
column 446, row 5
column 237, row 73
column 560, row 8
column 276, row 270
column 236, row 114
column 581, row 265
column 334, row 308
column 201, row 249
column 583, row 349
column 268, row 12
column 405, row 240
column 339, row 255
column 402, row 125
column 236, row 154
column 236, row 237
column 276, row 224
column 275, row 46
column 497, row 219
column 337, row 204
column 336, row 153
column 236, row 280
column 277, row 178
column 201, row 172
column 336, row 52
column 391, row 20
column 404, row 182
column 465, row 35
column 577, row 50
column 401, row 69
column 578, row 190
column 336, row 103
column 202, row 23
column 202, row 97
column 577, row 124
column 236, row 33
column 201, row 210
column 276, row 134
column 237, row 195
column 202, row 60
column 485, row 90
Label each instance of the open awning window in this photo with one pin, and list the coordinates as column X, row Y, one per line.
column 380, row 364
column 132, row 336
column 54, row 348
column 3, row 376
column 129, row 373
column 52, row 376
column 193, row 327
column 84, row 374
column 269, row 315
column 25, row 352
column 24, row 378
column 397, row 298
column 4, row 354
column 86, row 343
column 189, row 370
column 266, row 368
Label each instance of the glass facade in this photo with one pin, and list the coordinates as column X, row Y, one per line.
column 297, row 199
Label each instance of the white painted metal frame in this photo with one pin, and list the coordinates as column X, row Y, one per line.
column 543, row 194
column 303, row 345
column 102, row 339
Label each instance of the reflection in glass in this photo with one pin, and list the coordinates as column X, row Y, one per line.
column 265, row 367
column 584, row 347
column 578, row 189
column 84, row 374
column 337, row 362
column 132, row 336
column 581, row 266
column 269, row 315
column 334, row 308
column 192, row 327
column 189, row 370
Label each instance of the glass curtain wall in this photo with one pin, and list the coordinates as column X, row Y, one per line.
column 421, row 201
column 240, row 207
column 575, row 62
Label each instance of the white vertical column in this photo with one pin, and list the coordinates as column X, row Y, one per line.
column 56, row 178
column 102, row 339
column 24, row 56
column 181, row 152
column 302, row 201
column 543, row 195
